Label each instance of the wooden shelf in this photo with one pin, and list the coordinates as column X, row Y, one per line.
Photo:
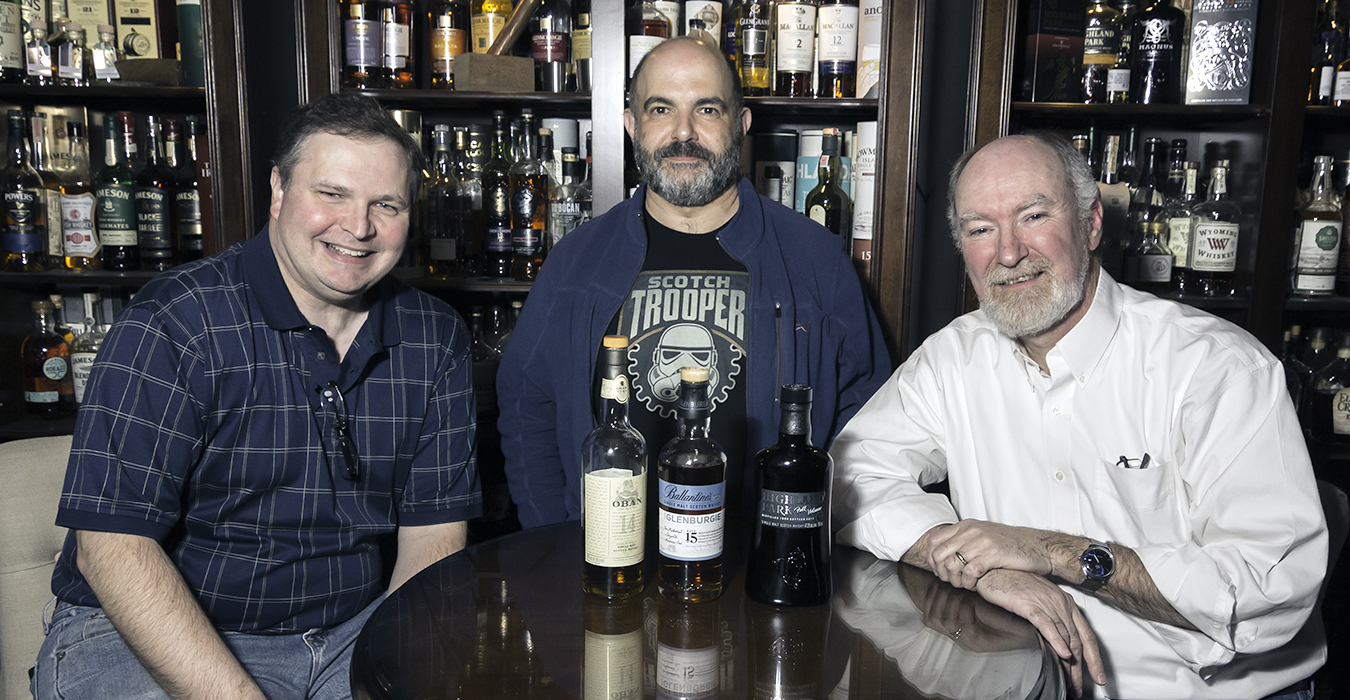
column 1331, row 303
column 1189, row 116
column 554, row 102
column 90, row 278
column 101, row 97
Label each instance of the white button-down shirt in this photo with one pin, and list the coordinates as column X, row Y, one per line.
column 1225, row 516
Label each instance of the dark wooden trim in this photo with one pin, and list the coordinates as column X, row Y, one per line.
column 227, row 128
column 318, row 48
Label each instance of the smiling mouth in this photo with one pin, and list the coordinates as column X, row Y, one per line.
column 348, row 251
column 1019, row 279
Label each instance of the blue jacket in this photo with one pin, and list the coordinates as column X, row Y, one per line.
column 809, row 323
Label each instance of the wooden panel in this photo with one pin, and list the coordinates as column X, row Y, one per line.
column 318, row 48
column 227, row 130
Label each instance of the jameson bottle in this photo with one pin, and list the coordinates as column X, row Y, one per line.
column 48, row 387
column 25, row 223
column 497, row 203
column 794, row 37
column 115, row 205
column 691, row 490
column 1317, row 238
column 790, row 558
column 154, row 202
column 86, row 346
column 188, row 200
column 1155, row 57
column 1214, row 238
column 614, row 485
column 82, row 247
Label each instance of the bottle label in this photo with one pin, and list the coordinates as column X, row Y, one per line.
column 1342, row 91
column 80, row 364
column 615, row 389
column 485, row 28
column 1326, row 82
column 442, row 248
column 638, row 47
column 497, row 240
column 152, row 223
column 56, row 243
column 548, row 47
column 77, row 225
column 1319, row 245
column 581, row 44
column 614, row 516
column 105, row 62
column 55, row 368
column 612, row 666
column 754, row 42
column 1179, row 240
column 838, row 33
column 1215, row 248
column 791, row 511
column 362, row 42
column 115, row 215
column 1155, row 268
column 818, row 214
column 796, row 37
column 1340, row 416
column 11, row 38
column 396, row 45
column 23, row 234
column 526, row 241
column 1118, row 80
column 188, row 207
column 40, row 61
column 41, row 396
column 691, row 520
column 688, row 673
column 446, row 43
column 1101, row 44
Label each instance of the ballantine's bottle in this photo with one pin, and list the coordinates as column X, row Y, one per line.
column 614, row 485
column 790, row 559
column 692, row 473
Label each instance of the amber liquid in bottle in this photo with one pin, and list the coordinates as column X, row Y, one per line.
column 362, row 40
column 25, row 211
column 795, row 27
column 448, row 36
column 48, row 385
column 691, row 493
column 529, row 208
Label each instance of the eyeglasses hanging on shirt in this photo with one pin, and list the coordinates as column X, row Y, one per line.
column 351, row 460
column 1128, row 463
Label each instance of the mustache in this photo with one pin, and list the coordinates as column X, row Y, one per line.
column 1028, row 267
column 683, row 149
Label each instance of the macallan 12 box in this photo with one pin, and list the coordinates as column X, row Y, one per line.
column 1223, row 37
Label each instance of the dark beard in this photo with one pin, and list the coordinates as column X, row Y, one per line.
column 717, row 174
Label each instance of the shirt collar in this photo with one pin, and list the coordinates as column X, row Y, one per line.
column 1085, row 344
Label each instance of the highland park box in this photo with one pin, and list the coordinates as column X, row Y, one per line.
column 1223, row 38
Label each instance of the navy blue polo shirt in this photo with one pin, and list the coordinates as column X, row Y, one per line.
column 203, row 428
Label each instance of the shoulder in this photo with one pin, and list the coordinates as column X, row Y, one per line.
column 795, row 230
column 199, row 296
column 1172, row 330
column 422, row 319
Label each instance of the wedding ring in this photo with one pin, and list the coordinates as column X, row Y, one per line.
column 961, row 559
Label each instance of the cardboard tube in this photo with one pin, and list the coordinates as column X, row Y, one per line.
column 515, row 24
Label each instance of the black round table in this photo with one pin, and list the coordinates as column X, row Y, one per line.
column 507, row 619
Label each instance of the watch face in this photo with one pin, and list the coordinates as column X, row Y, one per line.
column 1097, row 563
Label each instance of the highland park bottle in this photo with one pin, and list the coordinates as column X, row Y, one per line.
column 790, row 558
column 691, row 490
column 614, row 485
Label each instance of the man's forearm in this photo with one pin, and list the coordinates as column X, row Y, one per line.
column 419, row 547
column 156, row 615
column 1132, row 590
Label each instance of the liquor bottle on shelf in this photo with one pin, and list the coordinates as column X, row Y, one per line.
column 104, row 55
column 1127, row 9
column 1317, row 238
column 709, row 14
column 487, row 18
column 647, row 27
column 441, row 218
column 612, row 651
column 1328, row 51
column 362, row 43
column 550, row 46
column 115, row 204
column 837, row 22
column 529, row 207
column 86, row 346
column 671, row 9
column 38, row 57
column 752, row 46
column 59, row 325
column 188, row 200
column 1146, row 203
column 11, row 44
column 614, row 485
column 25, row 224
column 1327, row 411
column 1178, row 217
column 74, row 60
column 794, row 39
column 1129, row 154
column 1115, row 197
column 1214, row 237
column 51, row 191
column 826, row 203
column 154, row 196
column 545, row 154
column 129, row 146
column 48, row 388
column 448, row 36
column 790, row 559
column 397, row 48
column 581, row 46
column 469, row 170
column 1101, row 50
column 569, row 204
column 1341, row 91
column 1318, row 352
column 688, row 650
column 81, row 243
column 1176, row 168
column 1156, row 50
column 1148, row 266
column 691, row 490
column 497, row 203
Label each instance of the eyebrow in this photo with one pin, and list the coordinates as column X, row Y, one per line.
column 1034, row 200
column 701, row 102
column 347, row 191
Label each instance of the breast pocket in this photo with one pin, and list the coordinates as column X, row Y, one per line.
column 1138, row 506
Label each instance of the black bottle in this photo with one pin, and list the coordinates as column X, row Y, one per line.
column 1157, row 48
column 790, row 559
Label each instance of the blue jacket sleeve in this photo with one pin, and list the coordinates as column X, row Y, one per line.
column 864, row 361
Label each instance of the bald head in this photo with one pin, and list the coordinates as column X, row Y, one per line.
column 686, row 51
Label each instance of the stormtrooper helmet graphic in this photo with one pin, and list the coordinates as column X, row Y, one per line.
column 681, row 345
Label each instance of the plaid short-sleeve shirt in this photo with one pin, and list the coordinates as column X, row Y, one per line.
column 203, row 428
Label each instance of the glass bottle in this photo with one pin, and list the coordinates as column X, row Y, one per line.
column 74, row 59
column 58, row 324
column 105, row 54
column 469, row 169
column 691, row 491
column 398, row 50
column 154, row 196
column 48, row 388
column 705, row 15
column 51, row 191
column 688, row 650
column 790, row 558
column 1178, row 216
column 1328, row 51
column 441, row 221
column 1327, row 413
column 1176, row 168
column 611, row 654
column 529, row 207
column 487, row 18
column 448, row 36
column 1156, row 54
column 1317, row 238
column 794, row 39
column 753, row 24
column 362, row 44
column 25, row 224
column 1129, row 153
column 581, row 45
column 1317, row 353
column 826, row 203
column 38, row 57
column 1101, row 50
column 12, row 70
column 86, row 346
column 614, row 485
column 1146, row 202
column 81, row 243
column 569, row 204
column 188, row 200
column 1148, row 266
column 550, row 45
column 647, row 27
column 837, row 23
column 115, row 204
column 1214, row 238
column 497, row 203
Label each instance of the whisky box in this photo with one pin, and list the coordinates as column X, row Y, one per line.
column 1052, row 50
column 1223, row 36
column 864, row 199
column 137, row 28
column 485, row 72
column 873, row 17
column 808, row 165
column 191, row 47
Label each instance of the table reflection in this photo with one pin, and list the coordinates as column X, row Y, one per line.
column 507, row 619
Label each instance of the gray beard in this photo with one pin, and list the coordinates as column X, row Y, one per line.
column 1027, row 314
column 717, row 174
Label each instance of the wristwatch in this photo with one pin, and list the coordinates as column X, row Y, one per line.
column 1099, row 563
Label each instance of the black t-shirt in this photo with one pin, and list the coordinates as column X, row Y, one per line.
column 688, row 307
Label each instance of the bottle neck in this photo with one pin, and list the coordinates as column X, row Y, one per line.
column 692, row 411
column 1321, row 188
column 794, row 427
column 42, row 323
column 1218, row 185
column 18, row 151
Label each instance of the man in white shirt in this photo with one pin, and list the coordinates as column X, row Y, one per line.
column 1126, row 473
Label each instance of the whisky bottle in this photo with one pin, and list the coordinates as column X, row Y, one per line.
column 1327, row 412
column 647, row 27
column 1328, row 51
column 497, row 203
column 1176, row 169
column 115, row 204
column 837, row 23
column 581, row 46
column 38, row 56
column 11, row 43
column 1178, row 216
column 74, row 60
column 1148, row 266
column 1317, row 353
column 397, row 48
column 1317, row 238
column 569, row 204
column 470, row 146
column 1146, row 203
column 826, row 203
column 86, row 346
column 448, row 36
column 25, row 224
column 104, row 55
column 362, row 44
column 487, row 18
column 614, row 485
column 51, row 191
column 705, row 15
column 691, row 491
column 134, row 158
column 1214, row 238
column 550, row 46
column 59, row 325
column 612, row 648
column 48, row 388
column 83, row 249
column 790, row 559
column 752, row 46
column 188, row 201
column 795, row 40
column 529, row 207
column 1156, row 50
column 688, row 650
column 154, row 197
column 441, row 207
column 1120, row 79
column 1101, row 50
column 1340, row 96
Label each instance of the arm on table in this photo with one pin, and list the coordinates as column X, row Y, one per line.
column 421, row 546
column 145, row 597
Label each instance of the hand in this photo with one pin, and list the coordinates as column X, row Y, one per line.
column 984, row 546
column 1054, row 614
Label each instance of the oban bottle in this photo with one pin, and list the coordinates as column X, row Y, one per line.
column 691, row 489
column 614, row 485
column 790, row 558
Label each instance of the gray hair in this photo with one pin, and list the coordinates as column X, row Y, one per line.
column 1078, row 180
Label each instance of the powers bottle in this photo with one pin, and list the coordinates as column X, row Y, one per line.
column 691, row 493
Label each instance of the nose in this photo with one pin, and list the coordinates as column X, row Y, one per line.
column 356, row 221
column 1011, row 249
column 684, row 127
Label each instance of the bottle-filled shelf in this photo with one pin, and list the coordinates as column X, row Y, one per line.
column 1182, row 115
column 1328, row 303
column 187, row 99
column 486, row 285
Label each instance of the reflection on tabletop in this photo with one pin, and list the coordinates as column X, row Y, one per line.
column 507, row 619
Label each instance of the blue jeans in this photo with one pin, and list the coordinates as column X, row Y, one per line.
column 84, row 657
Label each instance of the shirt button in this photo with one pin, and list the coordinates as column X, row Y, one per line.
column 1082, row 379
column 323, row 356
column 1056, row 411
column 1059, row 476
